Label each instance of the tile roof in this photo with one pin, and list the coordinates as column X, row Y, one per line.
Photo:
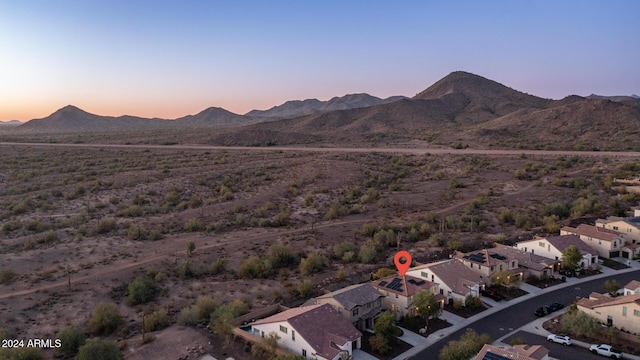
column 454, row 274
column 633, row 285
column 600, row 301
column 319, row 325
column 562, row 242
column 595, row 232
column 354, row 295
column 404, row 285
column 525, row 259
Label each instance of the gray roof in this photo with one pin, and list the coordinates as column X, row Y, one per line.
column 562, row 242
column 354, row 295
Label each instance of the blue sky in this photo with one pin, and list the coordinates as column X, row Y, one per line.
column 169, row 58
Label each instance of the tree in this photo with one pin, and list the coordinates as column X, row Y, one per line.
column 571, row 258
column 105, row 319
column 469, row 344
column 312, row 264
column 384, row 272
column 386, row 332
column 97, row 349
column 611, row 286
column 426, row 304
column 71, row 339
column 222, row 322
column 505, row 278
column 142, row 290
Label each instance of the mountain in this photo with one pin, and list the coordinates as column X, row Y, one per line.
column 10, row 123
column 213, row 116
column 462, row 108
column 296, row 108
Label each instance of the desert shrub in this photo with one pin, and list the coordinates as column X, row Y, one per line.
column 369, row 229
column 585, row 206
column 7, row 275
column 188, row 315
column 342, row 248
column 282, row 218
column 50, row 236
column 368, row 252
column 97, row 349
column 336, row 210
column 205, row 306
column 195, row 202
column 105, row 319
column 280, row 255
column 172, row 198
column 142, row 290
column 157, row 320
column 157, row 233
column 193, row 225
column 468, row 345
column 131, row 211
column 305, row 288
column 218, row 266
column 238, row 307
column 560, row 209
column 184, row 270
column 106, row 225
column 456, row 184
column 311, row 264
column 222, row 322
column 255, row 267
column 25, row 353
column 71, row 339
column 385, row 238
column 215, row 226
column 473, row 302
column 137, row 232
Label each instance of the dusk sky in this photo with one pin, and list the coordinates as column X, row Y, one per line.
column 173, row 58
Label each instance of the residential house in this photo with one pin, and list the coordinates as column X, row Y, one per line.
column 633, row 287
column 552, row 247
column 315, row 332
column 486, row 262
column 622, row 312
column 455, row 280
column 529, row 263
column 360, row 304
column 399, row 292
column 607, row 242
column 516, row 352
column 630, row 227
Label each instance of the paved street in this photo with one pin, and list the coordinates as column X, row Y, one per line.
column 504, row 319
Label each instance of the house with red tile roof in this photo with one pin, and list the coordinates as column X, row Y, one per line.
column 607, row 242
column 399, row 290
column 455, row 280
column 315, row 332
column 552, row 247
column 622, row 312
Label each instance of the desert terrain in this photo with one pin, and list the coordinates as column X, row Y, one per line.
column 80, row 222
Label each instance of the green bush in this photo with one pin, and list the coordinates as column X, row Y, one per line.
column 71, row 339
column 205, row 306
column 255, row 268
column 280, row 255
column 305, row 288
column 312, row 264
column 105, row 319
column 106, row 225
column 142, row 290
column 188, row 316
column 193, row 225
column 157, row 320
column 97, row 349
column 218, row 266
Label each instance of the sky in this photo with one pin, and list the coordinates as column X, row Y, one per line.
column 169, row 59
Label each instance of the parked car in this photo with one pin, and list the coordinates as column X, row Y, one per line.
column 559, row 339
column 542, row 311
column 554, row 306
column 606, row 350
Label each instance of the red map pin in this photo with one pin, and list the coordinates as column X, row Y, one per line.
column 402, row 261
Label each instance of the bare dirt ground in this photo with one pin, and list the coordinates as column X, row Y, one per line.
column 109, row 213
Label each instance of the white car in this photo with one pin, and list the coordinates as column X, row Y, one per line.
column 560, row 339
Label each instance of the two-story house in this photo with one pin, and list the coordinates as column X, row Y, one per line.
column 487, row 262
column 552, row 247
column 630, row 227
column 398, row 293
column 360, row 304
column 622, row 312
column 315, row 332
column 529, row 263
column 607, row 242
column 455, row 280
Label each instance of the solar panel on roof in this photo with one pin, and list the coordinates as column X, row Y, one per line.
column 492, row 356
column 498, row 256
column 412, row 281
column 420, row 282
column 383, row 283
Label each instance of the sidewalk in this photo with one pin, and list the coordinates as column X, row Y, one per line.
column 459, row 322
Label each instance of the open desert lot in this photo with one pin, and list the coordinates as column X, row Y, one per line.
column 81, row 222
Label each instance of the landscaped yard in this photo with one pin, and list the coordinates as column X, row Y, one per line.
column 396, row 349
column 465, row 311
column 416, row 323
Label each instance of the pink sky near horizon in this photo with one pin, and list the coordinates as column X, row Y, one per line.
column 173, row 59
